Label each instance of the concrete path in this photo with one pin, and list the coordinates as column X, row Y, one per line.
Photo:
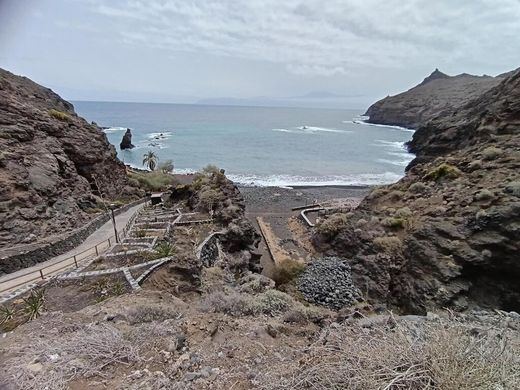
column 55, row 265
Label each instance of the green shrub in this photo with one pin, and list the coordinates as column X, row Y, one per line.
column 271, row 302
column 484, row 195
column 491, row 153
column 287, row 270
column 389, row 244
column 153, row 181
column 59, row 115
column 209, row 198
column 443, row 171
column 332, row 225
column 164, row 249
column 394, row 222
column 403, row 212
column 417, row 187
column 377, row 193
column 166, row 166
column 396, row 195
column 513, row 188
column 474, row 165
column 34, row 304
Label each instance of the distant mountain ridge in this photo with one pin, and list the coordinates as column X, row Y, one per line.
column 437, row 94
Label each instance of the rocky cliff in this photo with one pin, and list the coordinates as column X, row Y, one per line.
column 53, row 164
column 448, row 233
column 436, row 95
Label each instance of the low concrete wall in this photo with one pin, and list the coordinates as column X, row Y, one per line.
column 23, row 256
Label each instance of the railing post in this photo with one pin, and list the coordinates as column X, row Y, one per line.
column 41, row 274
column 75, row 261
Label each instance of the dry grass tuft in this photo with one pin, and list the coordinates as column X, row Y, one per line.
column 440, row 355
column 59, row 115
column 332, row 225
column 84, row 352
column 271, row 302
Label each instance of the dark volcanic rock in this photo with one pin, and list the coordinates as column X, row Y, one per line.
column 448, row 233
column 436, row 94
column 53, row 164
column 126, row 142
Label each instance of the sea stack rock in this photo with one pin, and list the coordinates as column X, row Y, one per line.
column 126, row 142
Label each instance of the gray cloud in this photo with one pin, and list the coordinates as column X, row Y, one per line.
column 158, row 49
column 324, row 37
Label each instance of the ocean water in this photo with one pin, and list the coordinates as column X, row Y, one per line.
column 258, row 145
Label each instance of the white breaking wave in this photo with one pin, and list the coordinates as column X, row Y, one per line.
column 364, row 122
column 311, row 130
column 399, row 163
column 292, row 180
column 160, row 136
column 391, row 144
column 114, row 129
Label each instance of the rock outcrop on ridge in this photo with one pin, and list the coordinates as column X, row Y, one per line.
column 436, row 95
column 448, row 233
column 54, row 166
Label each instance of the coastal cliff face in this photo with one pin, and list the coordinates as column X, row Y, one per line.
column 437, row 95
column 53, row 164
column 448, row 233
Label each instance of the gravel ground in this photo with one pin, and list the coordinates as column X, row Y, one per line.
column 277, row 199
column 328, row 282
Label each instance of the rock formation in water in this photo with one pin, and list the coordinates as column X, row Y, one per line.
column 448, row 233
column 54, row 165
column 436, row 95
column 126, row 142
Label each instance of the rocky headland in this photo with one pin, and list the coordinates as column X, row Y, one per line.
column 447, row 234
column 55, row 168
column 436, row 95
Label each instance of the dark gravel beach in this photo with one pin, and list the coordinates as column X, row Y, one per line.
column 277, row 199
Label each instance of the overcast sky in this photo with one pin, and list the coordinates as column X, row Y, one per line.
column 182, row 50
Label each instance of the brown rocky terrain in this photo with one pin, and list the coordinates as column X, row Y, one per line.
column 435, row 95
column 447, row 234
column 53, row 164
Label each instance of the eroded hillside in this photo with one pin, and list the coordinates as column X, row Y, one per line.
column 53, row 164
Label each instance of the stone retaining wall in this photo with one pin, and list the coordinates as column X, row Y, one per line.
column 208, row 252
column 23, row 256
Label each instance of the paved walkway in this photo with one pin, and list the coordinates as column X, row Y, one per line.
column 99, row 236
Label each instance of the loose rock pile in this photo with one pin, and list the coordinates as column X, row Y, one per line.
column 327, row 281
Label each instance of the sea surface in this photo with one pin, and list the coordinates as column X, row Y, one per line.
column 258, row 145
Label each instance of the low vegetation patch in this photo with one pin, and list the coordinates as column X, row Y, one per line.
column 417, row 187
column 152, row 181
column 332, row 225
column 444, row 356
column 491, row 153
column 394, row 222
column 389, row 244
column 271, row 302
column 484, row 195
column 443, row 171
column 59, row 115
column 513, row 188
column 287, row 270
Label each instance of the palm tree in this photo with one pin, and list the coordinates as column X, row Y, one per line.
column 150, row 160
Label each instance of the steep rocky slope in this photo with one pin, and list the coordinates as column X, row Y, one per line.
column 50, row 161
column 435, row 95
column 448, row 233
